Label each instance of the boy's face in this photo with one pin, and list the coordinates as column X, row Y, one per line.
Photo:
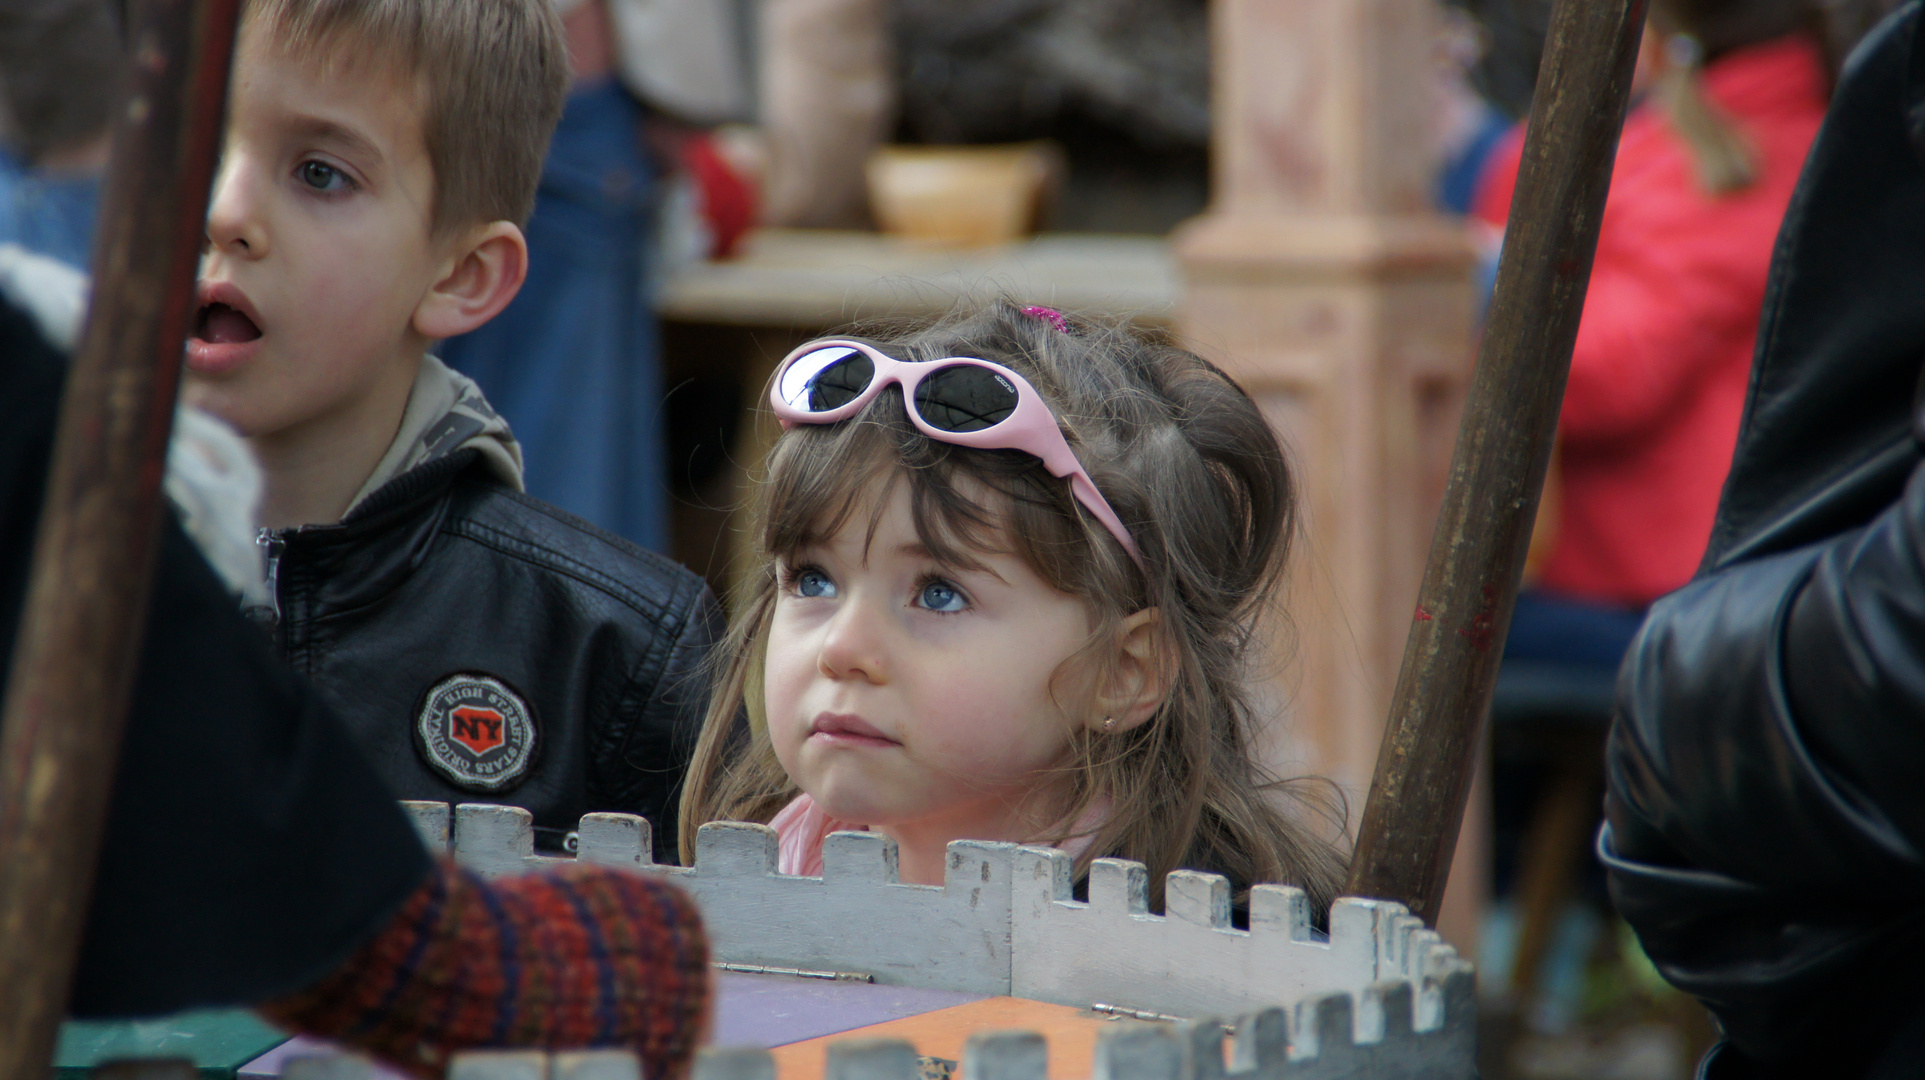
column 319, row 249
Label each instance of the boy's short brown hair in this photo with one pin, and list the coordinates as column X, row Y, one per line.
column 494, row 74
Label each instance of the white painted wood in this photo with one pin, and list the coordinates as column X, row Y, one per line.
column 616, row 840
column 857, row 917
column 1323, row 1048
column 1374, row 1036
column 498, row 1065
column 1197, row 899
column 595, row 1065
column 1192, row 962
column 494, row 840
column 871, row 1059
column 328, row 1067
column 1380, row 997
column 1131, row 1051
column 1005, row 1055
column 949, row 937
column 734, row 1063
column 431, row 821
column 1262, row 1040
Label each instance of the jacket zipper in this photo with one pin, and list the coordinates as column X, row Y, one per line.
column 272, row 543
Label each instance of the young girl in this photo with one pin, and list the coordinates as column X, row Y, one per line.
column 1016, row 607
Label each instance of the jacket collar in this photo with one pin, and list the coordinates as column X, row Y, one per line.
column 1825, row 441
column 446, row 412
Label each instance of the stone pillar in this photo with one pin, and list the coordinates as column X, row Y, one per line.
column 1320, row 278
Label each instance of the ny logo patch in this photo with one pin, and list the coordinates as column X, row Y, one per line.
column 476, row 732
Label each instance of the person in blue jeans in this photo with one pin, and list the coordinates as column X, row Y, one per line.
column 60, row 68
column 573, row 363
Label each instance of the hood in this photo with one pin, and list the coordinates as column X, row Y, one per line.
column 446, row 412
column 1826, row 438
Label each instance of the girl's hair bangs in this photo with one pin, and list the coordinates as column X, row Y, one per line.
column 821, row 478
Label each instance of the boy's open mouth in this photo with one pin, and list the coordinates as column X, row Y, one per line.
column 220, row 324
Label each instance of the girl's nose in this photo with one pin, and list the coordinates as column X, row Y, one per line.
column 234, row 223
column 854, row 645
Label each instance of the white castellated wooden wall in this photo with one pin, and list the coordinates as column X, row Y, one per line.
column 1380, row 997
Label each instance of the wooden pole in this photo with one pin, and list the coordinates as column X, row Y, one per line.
column 86, row 602
column 1425, row 763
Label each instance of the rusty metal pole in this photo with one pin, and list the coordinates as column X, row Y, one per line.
column 1425, row 763
column 86, row 602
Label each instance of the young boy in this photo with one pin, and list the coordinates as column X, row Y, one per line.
column 482, row 645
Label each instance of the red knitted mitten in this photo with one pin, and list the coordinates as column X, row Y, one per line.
column 578, row 957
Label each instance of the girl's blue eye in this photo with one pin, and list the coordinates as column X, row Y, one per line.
column 942, row 597
column 814, row 584
column 321, row 176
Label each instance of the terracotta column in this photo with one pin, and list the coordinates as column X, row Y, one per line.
column 1321, row 279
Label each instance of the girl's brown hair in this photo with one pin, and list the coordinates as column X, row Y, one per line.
column 1200, row 480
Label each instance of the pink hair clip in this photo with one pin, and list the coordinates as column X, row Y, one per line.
column 1050, row 316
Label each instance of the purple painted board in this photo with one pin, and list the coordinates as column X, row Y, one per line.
column 775, row 1010
column 271, row 1063
column 750, row 1010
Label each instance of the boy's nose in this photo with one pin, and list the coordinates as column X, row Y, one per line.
column 854, row 645
column 234, row 225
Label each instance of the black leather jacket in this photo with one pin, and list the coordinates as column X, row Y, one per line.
column 1765, row 814
column 448, row 615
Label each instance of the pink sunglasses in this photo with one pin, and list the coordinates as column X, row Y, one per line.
column 958, row 400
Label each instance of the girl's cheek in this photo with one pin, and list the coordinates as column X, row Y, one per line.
column 783, row 738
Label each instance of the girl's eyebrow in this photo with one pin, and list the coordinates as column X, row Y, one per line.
column 916, row 549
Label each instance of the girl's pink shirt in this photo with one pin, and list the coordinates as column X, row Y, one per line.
column 801, row 827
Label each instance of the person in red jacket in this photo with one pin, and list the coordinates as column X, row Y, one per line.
column 1731, row 93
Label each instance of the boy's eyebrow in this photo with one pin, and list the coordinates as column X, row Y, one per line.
column 351, row 141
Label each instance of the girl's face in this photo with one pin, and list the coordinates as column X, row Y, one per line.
column 915, row 697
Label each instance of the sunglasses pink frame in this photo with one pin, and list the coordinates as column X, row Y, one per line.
column 1031, row 428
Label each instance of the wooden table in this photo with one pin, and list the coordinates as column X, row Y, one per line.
column 813, row 279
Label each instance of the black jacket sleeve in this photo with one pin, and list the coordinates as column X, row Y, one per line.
column 249, row 849
column 1765, row 815
column 1765, row 818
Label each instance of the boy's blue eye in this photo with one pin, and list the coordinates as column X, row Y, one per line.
column 814, row 584
column 321, row 176
column 942, row 597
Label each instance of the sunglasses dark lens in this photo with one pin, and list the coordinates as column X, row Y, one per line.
column 826, row 379
column 965, row 398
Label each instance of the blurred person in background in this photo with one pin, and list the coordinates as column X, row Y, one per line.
column 1730, row 95
column 573, row 363
column 60, row 67
column 827, row 98
column 1467, row 126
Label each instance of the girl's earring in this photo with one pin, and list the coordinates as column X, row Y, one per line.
column 1109, row 724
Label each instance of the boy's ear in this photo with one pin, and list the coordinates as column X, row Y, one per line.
column 483, row 273
column 1141, row 677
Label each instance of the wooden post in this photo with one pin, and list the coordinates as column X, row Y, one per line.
column 1323, row 281
column 1497, row 471
column 86, row 601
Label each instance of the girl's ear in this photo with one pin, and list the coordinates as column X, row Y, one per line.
column 484, row 272
column 1141, row 674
